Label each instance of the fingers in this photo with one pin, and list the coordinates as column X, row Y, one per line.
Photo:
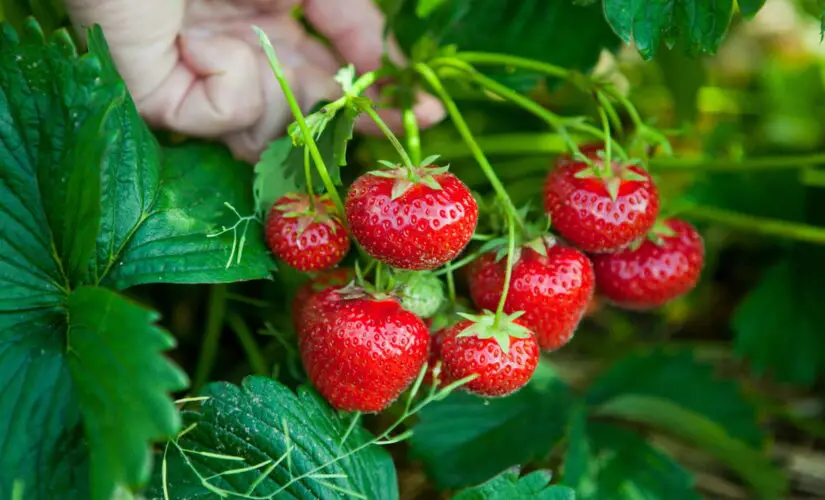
column 141, row 36
column 214, row 89
column 355, row 28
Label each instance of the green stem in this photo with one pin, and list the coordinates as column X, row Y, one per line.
column 508, row 273
column 467, row 135
column 450, row 283
column 552, row 119
column 379, row 276
column 367, row 108
column 514, row 61
column 458, row 265
column 253, row 352
column 214, row 326
column 748, row 165
column 608, row 143
column 275, row 64
column 758, row 225
column 626, row 104
column 413, row 135
column 308, row 174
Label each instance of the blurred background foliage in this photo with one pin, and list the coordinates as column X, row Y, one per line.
column 717, row 395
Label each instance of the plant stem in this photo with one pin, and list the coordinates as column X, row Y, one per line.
column 309, row 141
column 552, row 119
column 253, row 352
column 368, row 109
column 308, row 174
column 467, row 135
column 450, row 283
column 759, row 225
column 517, row 62
column 379, row 276
column 508, row 272
column 212, row 335
column 608, row 143
column 458, row 265
column 413, row 135
column 753, row 164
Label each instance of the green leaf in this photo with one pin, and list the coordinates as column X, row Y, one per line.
column 465, row 439
column 508, row 486
column 121, row 382
column 289, row 437
column 752, row 465
column 281, row 168
column 749, row 8
column 557, row 32
column 682, row 380
column 699, row 25
column 171, row 244
column 779, row 324
column 622, row 465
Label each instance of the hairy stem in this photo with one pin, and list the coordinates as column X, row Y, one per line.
column 412, row 134
column 513, row 61
column 467, row 135
column 368, row 109
column 508, row 272
column 275, row 64
column 308, row 174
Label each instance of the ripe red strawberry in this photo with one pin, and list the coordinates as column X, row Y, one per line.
column 503, row 354
column 306, row 234
column 364, row 351
column 663, row 267
column 337, row 278
column 551, row 282
column 416, row 219
column 599, row 211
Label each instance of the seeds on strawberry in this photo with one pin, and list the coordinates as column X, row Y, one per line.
column 553, row 287
column 600, row 211
column 663, row 267
column 302, row 301
column 363, row 351
column 502, row 354
column 415, row 219
column 306, row 234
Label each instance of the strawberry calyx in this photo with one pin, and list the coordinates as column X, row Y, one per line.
column 500, row 327
column 308, row 211
column 660, row 230
column 613, row 177
column 355, row 290
column 406, row 176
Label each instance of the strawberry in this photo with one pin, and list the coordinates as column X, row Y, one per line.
column 502, row 352
column 337, row 278
column 551, row 282
column 306, row 234
column 600, row 210
column 660, row 268
column 364, row 349
column 421, row 293
column 415, row 219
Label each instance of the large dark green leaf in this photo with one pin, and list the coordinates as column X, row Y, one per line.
column 508, row 486
column 679, row 378
column 554, row 31
column 80, row 183
column 466, row 439
column 121, row 384
column 172, row 243
column 699, row 25
column 779, row 325
column 293, row 440
column 622, row 465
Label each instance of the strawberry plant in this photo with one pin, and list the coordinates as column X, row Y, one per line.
column 596, row 277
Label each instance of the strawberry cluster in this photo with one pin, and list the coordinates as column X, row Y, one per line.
column 362, row 346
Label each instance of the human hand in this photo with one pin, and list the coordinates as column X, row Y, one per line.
column 196, row 66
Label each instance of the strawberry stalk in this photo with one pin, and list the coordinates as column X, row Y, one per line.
column 309, row 140
column 368, row 109
column 464, row 130
column 508, row 272
column 412, row 133
column 308, row 174
column 608, row 143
